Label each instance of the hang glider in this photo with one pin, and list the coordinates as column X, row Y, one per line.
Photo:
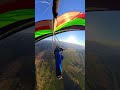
column 66, row 22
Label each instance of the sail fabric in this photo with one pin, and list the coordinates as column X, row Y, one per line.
column 66, row 22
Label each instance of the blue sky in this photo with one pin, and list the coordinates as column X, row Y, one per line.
column 43, row 8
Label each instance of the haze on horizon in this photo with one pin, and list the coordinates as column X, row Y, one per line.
column 102, row 27
column 75, row 37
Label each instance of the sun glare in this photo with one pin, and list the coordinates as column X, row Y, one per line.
column 72, row 39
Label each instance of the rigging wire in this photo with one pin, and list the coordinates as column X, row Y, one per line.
column 55, row 37
column 60, row 37
column 49, row 5
column 59, row 41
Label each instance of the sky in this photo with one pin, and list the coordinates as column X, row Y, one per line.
column 103, row 27
column 76, row 37
column 43, row 8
